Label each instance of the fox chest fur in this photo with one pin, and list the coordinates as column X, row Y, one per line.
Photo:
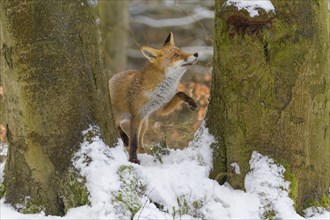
column 162, row 93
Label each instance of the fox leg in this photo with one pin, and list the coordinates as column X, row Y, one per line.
column 143, row 129
column 135, row 124
column 176, row 100
column 122, row 134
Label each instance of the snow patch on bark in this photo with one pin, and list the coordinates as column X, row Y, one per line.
column 252, row 6
column 92, row 3
column 235, row 167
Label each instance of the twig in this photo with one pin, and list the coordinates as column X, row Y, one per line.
column 144, row 205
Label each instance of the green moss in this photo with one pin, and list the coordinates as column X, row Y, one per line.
column 2, row 190
column 131, row 203
column 183, row 205
column 132, row 188
column 26, row 205
column 74, row 192
column 323, row 202
column 32, row 208
column 91, row 134
column 292, row 179
column 318, row 88
column 160, row 150
column 186, row 206
column 197, row 204
column 269, row 214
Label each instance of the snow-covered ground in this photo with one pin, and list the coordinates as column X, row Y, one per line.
column 173, row 184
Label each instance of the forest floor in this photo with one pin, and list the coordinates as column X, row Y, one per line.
column 173, row 184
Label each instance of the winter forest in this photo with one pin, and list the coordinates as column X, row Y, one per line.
column 165, row 109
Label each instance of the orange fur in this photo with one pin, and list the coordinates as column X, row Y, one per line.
column 135, row 94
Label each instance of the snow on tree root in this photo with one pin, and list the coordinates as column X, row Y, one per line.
column 266, row 179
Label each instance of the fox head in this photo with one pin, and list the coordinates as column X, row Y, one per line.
column 169, row 58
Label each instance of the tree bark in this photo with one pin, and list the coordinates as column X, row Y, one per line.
column 2, row 105
column 270, row 92
column 55, row 88
column 114, row 29
column 2, row 113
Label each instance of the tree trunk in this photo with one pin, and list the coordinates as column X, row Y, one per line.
column 2, row 106
column 2, row 113
column 55, row 88
column 114, row 29
column 270, row 92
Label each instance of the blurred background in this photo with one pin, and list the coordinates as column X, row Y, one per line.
column 126, row 25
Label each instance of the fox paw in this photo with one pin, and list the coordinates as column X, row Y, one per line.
column 192, row 104
column 134, row 160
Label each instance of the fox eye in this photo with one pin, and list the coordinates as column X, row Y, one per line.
column 175, row 55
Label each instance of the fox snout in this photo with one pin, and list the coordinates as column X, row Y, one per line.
column 195, row 56
column 192, row 59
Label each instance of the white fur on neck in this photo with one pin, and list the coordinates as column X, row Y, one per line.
column 165, row 91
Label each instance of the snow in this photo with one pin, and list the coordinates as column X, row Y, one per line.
column 3, row 149
column 3, row 152
column 266, row 179
column 92, row 3
column 235, row 167
column 252, row 6
column 316, row 213
column 175, row 187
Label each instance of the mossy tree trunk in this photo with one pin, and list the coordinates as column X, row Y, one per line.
column 2, row 104
column 115, row 29
column 55, row 87
column 271, row 92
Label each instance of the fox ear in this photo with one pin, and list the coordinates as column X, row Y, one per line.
column 150, row 53
column 169, row 40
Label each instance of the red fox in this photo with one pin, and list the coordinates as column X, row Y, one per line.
column 135, row 94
